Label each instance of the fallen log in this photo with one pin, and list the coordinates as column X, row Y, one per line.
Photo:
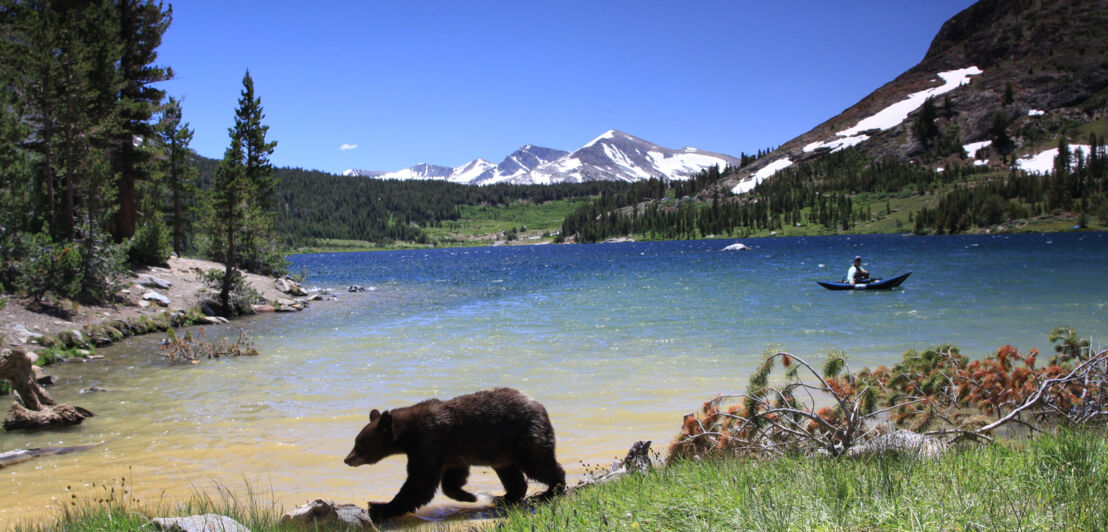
column 35, row 408
column 22, row 455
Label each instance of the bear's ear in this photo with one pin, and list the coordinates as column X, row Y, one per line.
column 374, row 415
column 384, row 422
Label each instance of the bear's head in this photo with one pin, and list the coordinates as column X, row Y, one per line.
column 374, row 442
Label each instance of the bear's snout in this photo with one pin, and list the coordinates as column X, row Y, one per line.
column 353, row 460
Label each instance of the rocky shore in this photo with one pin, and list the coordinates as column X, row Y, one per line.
column 151, row 300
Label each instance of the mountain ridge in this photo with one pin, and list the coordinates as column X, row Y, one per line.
column 612, row 156
column 1041, row 72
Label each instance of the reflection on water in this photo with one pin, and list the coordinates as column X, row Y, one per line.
column 618, row 341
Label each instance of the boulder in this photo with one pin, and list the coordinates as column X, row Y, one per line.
column 198, row 523
column 23, row 334
column 261, row 309
column 289, row 286
column 150, row 281
column 42, row 377
column 156, row 297
column 328, row 514
column 72, row 338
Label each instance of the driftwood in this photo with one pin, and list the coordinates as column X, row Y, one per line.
column 636, row 461
column 22, row 455
column 35, row 408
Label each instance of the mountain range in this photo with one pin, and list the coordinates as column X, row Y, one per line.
column 613, row 156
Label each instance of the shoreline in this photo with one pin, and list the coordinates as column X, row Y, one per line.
column 151, row 300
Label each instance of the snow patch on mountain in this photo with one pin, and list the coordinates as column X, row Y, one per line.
column 972, row 148
column 896, row 113
column 762, row 174
column 1043, row 162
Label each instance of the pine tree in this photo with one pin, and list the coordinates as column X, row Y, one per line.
column 141, row 24
column 241, row 227
column 179, row 175
column 924, row 127
column 260, row 253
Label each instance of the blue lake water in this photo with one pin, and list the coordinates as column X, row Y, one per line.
column 617, row 340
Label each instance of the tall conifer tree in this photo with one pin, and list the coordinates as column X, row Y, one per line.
column 242, row 194
column 177, row 173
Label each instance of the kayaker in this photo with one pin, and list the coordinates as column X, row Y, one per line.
column 857, row 274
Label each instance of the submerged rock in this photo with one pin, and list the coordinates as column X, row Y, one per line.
column 737, row 247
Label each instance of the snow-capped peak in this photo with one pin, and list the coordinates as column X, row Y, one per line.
column 613, row 156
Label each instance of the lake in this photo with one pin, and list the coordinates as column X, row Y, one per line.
column 617, row 340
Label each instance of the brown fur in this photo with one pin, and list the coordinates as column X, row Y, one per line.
column 502, row 428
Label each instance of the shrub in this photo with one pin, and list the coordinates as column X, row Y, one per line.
column 151, row 244
column 243, row 296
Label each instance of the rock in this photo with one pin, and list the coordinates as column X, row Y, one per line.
column 42, row 377
column 91, row 389
column 156, row 297
column 213, row 320
column 289, row 286
column 150, row 281
column 900, row 441
column 356, row 288
column 198, row 523
column 72, row 338
column 736, row 247
column 206, row 309
column 285, row 302
column 260, row 309
column 284, row 308
column 23, row 334
column 314, row 297
column 327, row 513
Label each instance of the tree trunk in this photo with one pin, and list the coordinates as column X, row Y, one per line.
column 35, row 408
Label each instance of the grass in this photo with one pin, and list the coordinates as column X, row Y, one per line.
column 1054, row 482
column 477, row 226
column 487, row 223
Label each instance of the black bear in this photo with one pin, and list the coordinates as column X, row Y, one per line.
column 502, row 428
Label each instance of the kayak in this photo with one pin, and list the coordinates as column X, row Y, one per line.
column 872, row 284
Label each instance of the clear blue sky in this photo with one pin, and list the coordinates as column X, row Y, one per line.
column 446, row 82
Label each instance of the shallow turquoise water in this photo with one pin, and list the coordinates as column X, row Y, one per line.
column 617, row 340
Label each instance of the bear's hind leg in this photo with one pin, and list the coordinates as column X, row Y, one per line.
column 515, row 484
column 452, row 481
column 544, row 468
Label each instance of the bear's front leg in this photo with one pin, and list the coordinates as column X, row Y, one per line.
column 419, row 489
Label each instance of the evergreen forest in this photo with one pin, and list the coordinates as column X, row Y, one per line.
column 842, row 192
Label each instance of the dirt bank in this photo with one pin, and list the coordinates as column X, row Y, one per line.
column 182, row 289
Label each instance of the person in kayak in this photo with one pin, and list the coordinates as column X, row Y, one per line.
column 857, row 274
